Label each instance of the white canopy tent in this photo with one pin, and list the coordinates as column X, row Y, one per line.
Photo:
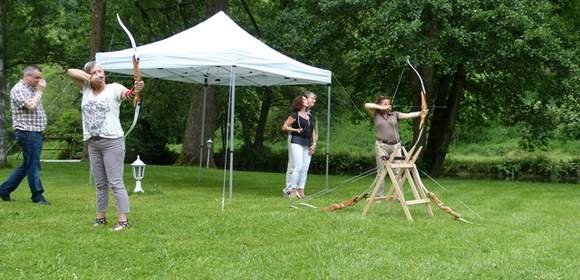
column 219, row 52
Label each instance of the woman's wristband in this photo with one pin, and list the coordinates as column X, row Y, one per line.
column 415, row 114
column 129, row 94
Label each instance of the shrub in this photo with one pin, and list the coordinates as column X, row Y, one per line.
column 536, row 168
column 529, row 168
column 271, row 160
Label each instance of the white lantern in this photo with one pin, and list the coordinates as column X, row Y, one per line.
column 138, row 172
column 209, row 148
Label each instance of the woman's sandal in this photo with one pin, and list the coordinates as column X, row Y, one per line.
column 121, row 226
column 100, row 221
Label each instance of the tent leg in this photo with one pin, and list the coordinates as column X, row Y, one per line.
column 327, row 153
column 202, row 138
column 226, row 148
column 232, row 123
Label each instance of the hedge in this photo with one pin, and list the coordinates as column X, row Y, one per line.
column 527, row 169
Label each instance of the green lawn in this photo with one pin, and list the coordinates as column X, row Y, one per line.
column 525, row 231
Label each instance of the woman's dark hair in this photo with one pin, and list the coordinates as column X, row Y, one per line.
column 381, row 98
column 298, row 103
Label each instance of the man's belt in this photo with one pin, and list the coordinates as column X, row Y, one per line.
column 388, row 142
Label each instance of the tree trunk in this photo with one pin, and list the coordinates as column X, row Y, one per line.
column 190, row 153
column 437, row 127
column 193, row 147
column 97, row 26
column 224, row 131
column 98, row 14
column 443, row 122
column 264, row 110
column 266, row 98
column 246, row 127
column 2, row 84
column 427, row 72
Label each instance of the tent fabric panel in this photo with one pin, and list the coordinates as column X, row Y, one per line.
column 218, row 75
column 210, row 48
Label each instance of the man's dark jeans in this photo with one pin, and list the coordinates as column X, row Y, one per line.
column 31, row 142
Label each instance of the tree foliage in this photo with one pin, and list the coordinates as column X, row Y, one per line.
column 514, row 62
column 46, row 31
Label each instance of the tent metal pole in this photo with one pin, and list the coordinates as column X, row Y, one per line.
column 202, row 138
column 328, row 135
column 232, row 124
column 227, row 144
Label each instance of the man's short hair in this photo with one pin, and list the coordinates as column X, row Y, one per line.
column 29, row 69
column 308, row 93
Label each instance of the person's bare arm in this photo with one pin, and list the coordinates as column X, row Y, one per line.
column 412, row 115
column 312, row 149
column 372, row 107
column 79, row 77
column 314, row 137
column 287, row 126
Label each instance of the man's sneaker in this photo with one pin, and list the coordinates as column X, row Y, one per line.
column 121, row 226
column 100, row 221
column 6, row 198
column 42, row 202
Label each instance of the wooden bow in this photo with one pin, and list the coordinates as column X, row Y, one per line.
column 136, row 77
column 346, row 203
column 424, row 105
column 445, row 208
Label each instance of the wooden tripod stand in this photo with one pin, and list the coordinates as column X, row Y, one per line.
column 401, row 170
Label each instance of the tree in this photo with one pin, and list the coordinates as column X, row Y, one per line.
column 510, row 61
column 508, row 55
column 2, row 84
column 46, row 31
column 164, row 103
column 193, row 142
column 99, row 12
column 246, row 112
column 40, row 32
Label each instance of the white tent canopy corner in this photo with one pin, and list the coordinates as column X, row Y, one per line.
column 218, row 52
